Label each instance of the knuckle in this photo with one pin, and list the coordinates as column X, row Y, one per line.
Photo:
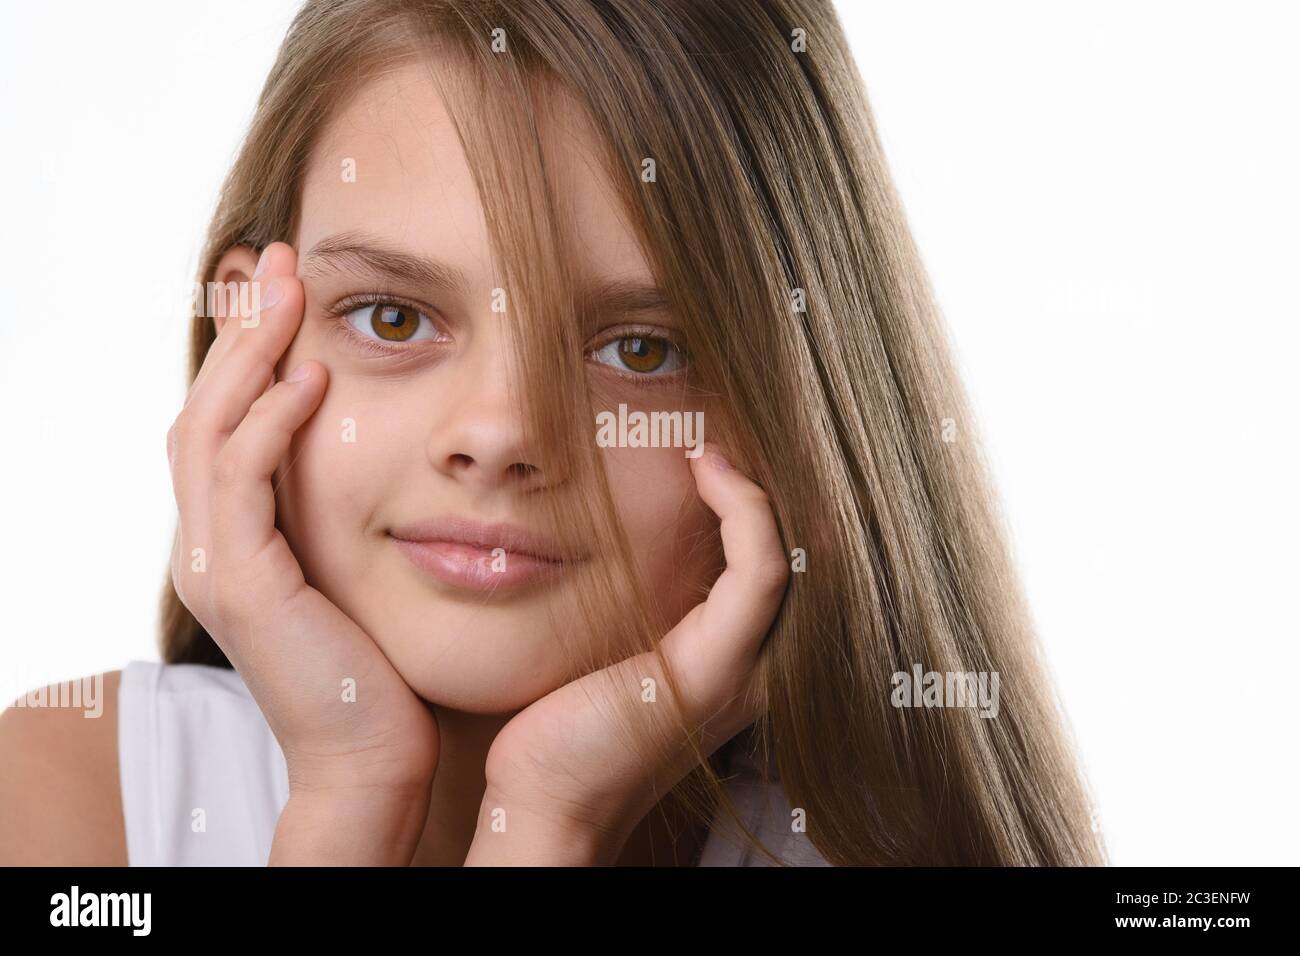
column 262, row 411
column 226, row 468
column 757, row 498
column 251, row 351
column 263, row 366
column 175, row 435
column 772, row 573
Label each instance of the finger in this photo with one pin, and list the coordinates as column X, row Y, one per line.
column 192, row 445
column 277, row 259
column 237, row 380
column 242, row 502
column 241, row 372
column 743, row 602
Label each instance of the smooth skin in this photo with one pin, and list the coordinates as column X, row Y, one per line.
column 358, row 774
column 407, row 776
column 370, row 761
column 561, row 777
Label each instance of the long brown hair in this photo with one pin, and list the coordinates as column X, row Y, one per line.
column 772, row 223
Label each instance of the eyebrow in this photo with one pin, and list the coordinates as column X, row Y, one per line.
column 625, row 297
column 358, row 251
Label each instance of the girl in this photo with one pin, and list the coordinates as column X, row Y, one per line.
column 426, row 607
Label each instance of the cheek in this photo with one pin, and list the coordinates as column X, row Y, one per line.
column 340, row 462
column 333, row 480
column 672, row 531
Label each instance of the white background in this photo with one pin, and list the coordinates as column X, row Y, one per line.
column 1105, row 195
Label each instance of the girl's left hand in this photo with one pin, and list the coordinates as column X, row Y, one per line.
column 561, row 778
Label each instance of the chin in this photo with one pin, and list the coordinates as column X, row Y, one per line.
column 480, row 660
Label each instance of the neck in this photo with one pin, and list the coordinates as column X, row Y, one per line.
column 666, row 837
column 458, row 785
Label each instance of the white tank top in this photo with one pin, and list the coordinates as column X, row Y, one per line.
column 204, row 779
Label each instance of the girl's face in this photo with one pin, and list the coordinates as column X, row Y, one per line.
column 417, row 445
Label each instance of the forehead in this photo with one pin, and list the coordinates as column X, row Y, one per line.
column 390, row 164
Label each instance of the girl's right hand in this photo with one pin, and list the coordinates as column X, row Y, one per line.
column 361, row 748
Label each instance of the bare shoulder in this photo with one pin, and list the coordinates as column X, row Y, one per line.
column 60, row 796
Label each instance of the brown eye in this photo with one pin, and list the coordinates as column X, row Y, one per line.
column 392, row 322
column 396, row 323
column 642, row 355
column 648, row 355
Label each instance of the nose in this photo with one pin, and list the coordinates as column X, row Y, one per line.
column 478, row 439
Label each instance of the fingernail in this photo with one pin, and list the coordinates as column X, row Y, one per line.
column 272, row 294
column 262, row 263
column 718, row 460
column 300, row 373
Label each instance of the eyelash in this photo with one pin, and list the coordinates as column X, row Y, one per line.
column 346, row 306
column 643, row 332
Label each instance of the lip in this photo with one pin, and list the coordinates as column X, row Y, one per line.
column 481, row 556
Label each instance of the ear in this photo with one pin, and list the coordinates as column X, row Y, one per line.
column 236, row 265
